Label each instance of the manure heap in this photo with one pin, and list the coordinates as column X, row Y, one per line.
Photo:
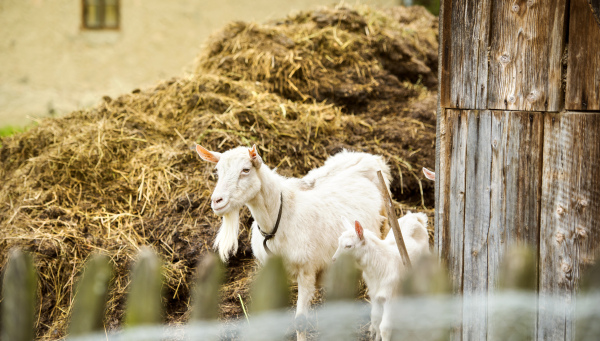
column 122, row 175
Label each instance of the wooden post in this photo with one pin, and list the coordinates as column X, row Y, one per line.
column 428, row 277
column 587, row 326
column 270, row 290
column 341, row 279
column 206, row 297
column 517, row 276
column 19, row 298
column 389, row 205
column 90, row 297
column 341, row 285
column 144, row 304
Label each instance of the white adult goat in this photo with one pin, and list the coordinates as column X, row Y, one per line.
column 305, row 210
column 382, row 265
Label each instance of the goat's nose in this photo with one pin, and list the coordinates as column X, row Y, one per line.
column 217, row 200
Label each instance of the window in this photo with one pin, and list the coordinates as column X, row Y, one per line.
column 100, row 14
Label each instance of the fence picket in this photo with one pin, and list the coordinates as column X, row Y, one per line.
column 206, row 297
column 587, row 326
column 90, row 297
column 144, row 304
column 427, row 277
column 518, row 270
column 341, row 279
column 518, row 273
column 270, row 290
column 19, row 298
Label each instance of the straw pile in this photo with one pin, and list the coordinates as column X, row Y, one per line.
column 122, row 175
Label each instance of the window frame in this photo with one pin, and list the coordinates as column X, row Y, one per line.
column 102, row 26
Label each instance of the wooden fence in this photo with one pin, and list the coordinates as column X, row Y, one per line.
column 425, row 311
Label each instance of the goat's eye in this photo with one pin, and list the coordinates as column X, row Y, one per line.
column 245, row 170
column 348, row 246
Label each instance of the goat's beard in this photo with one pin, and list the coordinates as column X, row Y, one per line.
column 226, row 241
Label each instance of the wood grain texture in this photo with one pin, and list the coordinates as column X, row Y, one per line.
column 445, row 131
column 517, row 139
column 526, row 47
column 464, row 40
column 570, row 207
column 453, row 191
column 583, row 70
column 477, row 223
column 455, row 215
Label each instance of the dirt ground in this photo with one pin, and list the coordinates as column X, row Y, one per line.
column 123, row 174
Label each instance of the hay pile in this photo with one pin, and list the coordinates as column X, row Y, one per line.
column 122, row 175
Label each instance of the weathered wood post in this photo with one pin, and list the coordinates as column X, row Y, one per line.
column 19, row 298
column 206, row 297
column 517, row 148
column 144, row 301
column 90, row 296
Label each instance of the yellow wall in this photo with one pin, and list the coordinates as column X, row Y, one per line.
column 48, row 63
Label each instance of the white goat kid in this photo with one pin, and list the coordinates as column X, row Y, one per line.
column 307, row 209
column 382, row 265
column 414, row 232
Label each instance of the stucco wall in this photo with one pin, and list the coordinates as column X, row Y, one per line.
column 48, row 64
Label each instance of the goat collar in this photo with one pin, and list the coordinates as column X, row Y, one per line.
column 272, row 234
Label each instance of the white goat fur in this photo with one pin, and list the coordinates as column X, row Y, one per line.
column 382, row 265
column 347, row 184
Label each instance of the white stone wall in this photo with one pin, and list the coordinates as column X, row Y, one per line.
column 48, row 64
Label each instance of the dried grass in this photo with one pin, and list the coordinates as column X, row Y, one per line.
column 122, row 175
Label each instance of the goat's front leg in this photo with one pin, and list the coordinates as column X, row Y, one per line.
column 306, row 291
column 376, row 316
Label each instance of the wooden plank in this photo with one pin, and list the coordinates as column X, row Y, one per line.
column 206, row 296
column 19, row 288
column 517, row 139
column 144, row 301
column 444, row 145
column 583, row 70
column 452, row 250
column 476, row 224
column 453, row 191
column 517, row 273
column 270, row 290
column 90, row 299
column 526, row 47
column 570, row 207
column 465, row 31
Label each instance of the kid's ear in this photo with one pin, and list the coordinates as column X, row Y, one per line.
column 254, row 157
column 359, row 230
column 208, row 155
column 429, row 174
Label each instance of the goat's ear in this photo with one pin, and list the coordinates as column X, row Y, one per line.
column 359, row 230
column 429, row 174
column 208, row 155
column 254, row 157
